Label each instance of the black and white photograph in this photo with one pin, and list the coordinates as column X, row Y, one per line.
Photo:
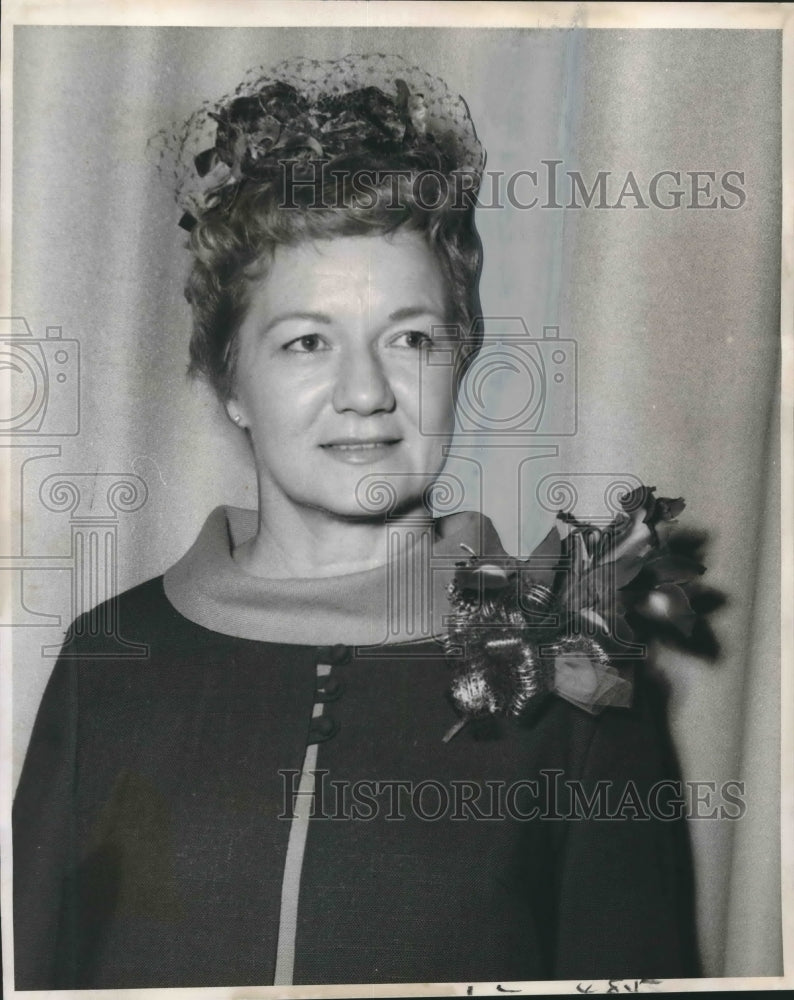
column 396, row 498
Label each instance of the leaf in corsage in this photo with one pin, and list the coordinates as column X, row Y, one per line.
column 544, row 563
column 633, row 532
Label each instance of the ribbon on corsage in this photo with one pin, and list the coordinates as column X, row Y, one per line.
column 559, row 622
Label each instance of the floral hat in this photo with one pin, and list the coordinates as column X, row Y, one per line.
column 310, row 110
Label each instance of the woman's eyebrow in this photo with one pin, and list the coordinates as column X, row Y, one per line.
column 315, row 317
column 411, row 312
column 407, row 312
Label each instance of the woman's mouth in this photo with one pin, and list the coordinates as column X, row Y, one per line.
column 360, row 451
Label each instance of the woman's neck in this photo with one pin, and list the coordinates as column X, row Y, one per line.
column 307, row 542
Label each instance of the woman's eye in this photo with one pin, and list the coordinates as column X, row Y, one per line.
column 413, row 338
column 307, row 344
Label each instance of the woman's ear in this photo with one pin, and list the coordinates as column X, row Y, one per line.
column 233, row 412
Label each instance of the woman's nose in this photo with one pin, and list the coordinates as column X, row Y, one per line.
column 362, row 385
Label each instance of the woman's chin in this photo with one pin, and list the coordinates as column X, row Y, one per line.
column 371, row 482
column 374, row 497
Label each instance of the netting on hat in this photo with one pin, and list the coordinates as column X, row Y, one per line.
column 309, row 110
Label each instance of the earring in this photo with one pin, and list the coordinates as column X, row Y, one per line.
column 237, row 419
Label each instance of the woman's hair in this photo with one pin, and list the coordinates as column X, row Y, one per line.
column 313, row 150
column 233, row 241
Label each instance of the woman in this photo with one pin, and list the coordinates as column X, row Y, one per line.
column 289, row 788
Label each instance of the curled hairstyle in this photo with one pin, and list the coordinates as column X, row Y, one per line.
column 233, row 242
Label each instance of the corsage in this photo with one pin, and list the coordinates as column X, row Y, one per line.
column 559, row 623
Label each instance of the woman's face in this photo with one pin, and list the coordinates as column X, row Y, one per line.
column 341, row 377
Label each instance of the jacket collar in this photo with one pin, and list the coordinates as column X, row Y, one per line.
column 403, row 601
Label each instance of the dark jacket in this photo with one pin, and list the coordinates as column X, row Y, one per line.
column 153, row 812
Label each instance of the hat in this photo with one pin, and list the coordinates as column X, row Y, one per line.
column 310, row 111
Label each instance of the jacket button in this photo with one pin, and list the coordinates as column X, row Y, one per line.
column 329, row 690
column 333, row 654
column 322, row 729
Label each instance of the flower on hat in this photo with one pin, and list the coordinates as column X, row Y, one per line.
column 309, row 111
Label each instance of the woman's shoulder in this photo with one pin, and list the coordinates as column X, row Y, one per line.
column 132, row 625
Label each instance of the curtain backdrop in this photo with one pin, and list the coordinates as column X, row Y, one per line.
column 674, row 314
